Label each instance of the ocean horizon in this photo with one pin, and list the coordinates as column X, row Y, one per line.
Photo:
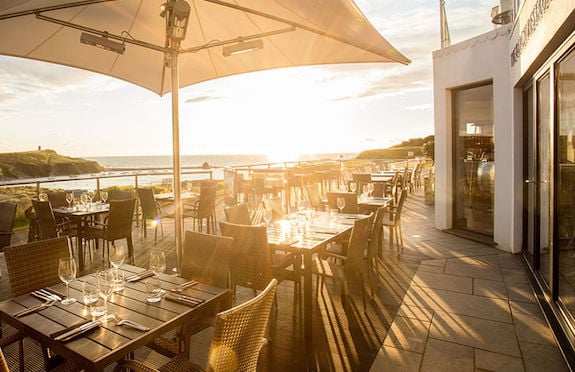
column 214, row 160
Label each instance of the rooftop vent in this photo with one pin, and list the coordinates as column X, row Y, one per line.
column 502, row 14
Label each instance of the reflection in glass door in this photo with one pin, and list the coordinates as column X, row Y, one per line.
column 530, row 186
column 543, row 163
column 565, row 230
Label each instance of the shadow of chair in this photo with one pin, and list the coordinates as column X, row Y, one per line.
column 116, row 226
column 48, row 226
column 350, row 201
column 236, row 343
column 33, row 266
column 392, row 220
column 203, row 208
column 375, row 244
column 7, row 217
column 151, row 211
column 254, row 263
column 353, row 264
column 238, row 214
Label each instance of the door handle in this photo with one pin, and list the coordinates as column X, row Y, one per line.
column 530, row 181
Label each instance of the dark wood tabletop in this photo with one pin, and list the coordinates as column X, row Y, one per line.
column 108, row 343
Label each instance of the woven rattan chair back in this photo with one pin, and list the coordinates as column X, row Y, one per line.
column 57, row 199
column 32, row 266
column 207, row 202
column 239, row 333
column 148, row 204
column 119, row 195
column 47, row 227
column 119, row 224
column 206, row 258
column 350, row 201
column 251, row 258
column 238, row 214
column 7, row 216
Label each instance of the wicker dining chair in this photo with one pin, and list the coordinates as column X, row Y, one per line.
column 393, row 221
column 7, row 216
column 205, row 258
column 117, row 225
column 253, row 263
column 48, row 226
column 238, row 338
column 203, row 208
column 33, row 266
column 350, row 201
column 353, row 264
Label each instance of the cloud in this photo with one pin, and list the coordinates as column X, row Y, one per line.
column 201, row 99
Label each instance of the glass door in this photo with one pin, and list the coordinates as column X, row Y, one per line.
column 565, row 191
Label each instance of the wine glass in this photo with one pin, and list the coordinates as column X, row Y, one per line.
column 84, row 200
column 69, row 199
column 105, row 289
column 370, row 188
column 157, row 261
column 352, row 186
column 340, row 204
column 67, row 273
column 90, row 196
column 116, row 256
column 104, row 196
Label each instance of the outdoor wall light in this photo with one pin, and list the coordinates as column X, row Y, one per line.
column 102, row 42
column 177, row 13
column 243, row 47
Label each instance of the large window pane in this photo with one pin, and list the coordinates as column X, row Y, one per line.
column 474, row 164
column 544, row 174
column 566, row 179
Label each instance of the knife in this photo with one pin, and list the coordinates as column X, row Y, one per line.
column 139, row 276
column 49, row 294
column 184, row 286
column 33, row 309
column 77, row 331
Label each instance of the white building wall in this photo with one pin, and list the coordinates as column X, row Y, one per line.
column 481, row 59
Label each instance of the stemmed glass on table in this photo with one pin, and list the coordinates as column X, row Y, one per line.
column 352, row 186
column 67, row 273
column 70, row 199
column 116, row 256
column 340, row 204
column 158, row 263
column 268, row 216
column 370, row 188
column 104, row 196
column 105, row 289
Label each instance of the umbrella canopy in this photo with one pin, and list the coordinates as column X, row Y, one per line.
column 156, row 53
column 293, row 33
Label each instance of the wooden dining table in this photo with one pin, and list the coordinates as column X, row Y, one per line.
column 324, row 229
column 109, row 342
column 80, row 217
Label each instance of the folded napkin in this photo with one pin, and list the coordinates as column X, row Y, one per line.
column 140, row 276
column 183, row 299
column 75, row 330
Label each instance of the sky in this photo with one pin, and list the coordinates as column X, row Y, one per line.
column 320, row 109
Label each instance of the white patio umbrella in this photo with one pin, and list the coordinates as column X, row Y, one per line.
column 156, row 52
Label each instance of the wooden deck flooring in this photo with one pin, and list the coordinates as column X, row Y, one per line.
column 345, row 339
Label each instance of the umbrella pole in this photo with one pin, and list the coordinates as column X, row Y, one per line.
column 176, row 155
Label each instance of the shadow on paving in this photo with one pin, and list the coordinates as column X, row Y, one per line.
column 345, row 338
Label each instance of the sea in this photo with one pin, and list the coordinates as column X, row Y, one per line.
column 116, row 164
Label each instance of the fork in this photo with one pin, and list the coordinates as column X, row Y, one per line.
column 129, row 323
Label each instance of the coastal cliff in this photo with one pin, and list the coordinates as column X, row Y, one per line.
column 43, row 163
